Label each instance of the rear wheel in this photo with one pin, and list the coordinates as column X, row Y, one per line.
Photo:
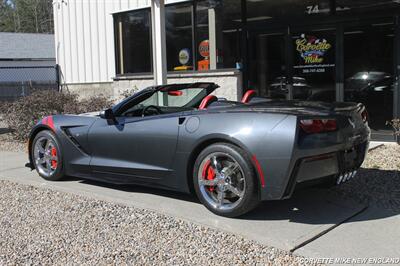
column 225, row 181
column 46, row 156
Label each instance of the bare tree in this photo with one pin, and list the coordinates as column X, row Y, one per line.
column 26, row 16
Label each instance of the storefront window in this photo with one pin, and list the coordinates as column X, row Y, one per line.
column 218, row 34
column 179, row 32
column 133, row 42
column 314, row 65
column 368, row 71
column 268, row 64
column 289, row 62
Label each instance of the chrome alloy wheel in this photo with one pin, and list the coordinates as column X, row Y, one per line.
column 45, row 156
column 221, row 181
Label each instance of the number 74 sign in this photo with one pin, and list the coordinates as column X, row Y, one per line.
column 312, row 9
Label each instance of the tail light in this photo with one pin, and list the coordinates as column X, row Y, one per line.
column 312, row 126
column 364, row 116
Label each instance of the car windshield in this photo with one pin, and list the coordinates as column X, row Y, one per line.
column 165, row 101
column 177, row 98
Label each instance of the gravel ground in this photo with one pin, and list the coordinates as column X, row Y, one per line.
column 41, row 226
column 8, row 144
column 377, row 183
column 6, row 141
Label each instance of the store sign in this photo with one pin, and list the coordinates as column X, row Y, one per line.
column 204, row 49
column 313, row 53
column 312, row 49
column 184, row 56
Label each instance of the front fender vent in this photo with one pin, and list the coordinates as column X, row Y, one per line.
column 68, row 134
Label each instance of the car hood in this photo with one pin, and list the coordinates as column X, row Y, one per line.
column 97, row 113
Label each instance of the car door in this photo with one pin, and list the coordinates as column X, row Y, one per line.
column 134, row 148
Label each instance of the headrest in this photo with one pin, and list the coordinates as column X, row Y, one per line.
column 248, row 95
column 207, row 100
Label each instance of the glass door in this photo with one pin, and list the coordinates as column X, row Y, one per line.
column 314, row 64
column 368, row 70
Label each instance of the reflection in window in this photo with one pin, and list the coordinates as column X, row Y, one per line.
column 218, row 33
column 368, row 56
column 133, row 42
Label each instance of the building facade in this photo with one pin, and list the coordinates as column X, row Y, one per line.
column 325, row 50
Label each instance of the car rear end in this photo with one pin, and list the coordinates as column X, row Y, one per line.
column 315, row 143
column 329, row 148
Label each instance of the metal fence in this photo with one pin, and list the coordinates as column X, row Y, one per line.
column 17, row 82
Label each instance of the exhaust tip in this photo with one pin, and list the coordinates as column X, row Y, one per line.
column 340, row 179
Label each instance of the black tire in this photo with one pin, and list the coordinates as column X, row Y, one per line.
column 250, row 198
column 58, row 172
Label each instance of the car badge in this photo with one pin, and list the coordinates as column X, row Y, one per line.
column 352, row 123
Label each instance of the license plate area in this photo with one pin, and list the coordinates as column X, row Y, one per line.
column 351, row 159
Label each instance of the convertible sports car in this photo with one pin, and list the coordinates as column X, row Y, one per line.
column 181, row 137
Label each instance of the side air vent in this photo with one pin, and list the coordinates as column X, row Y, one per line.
column 67, row 132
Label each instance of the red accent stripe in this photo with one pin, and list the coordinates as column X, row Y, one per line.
column 259, row 170
column 48, row 121
column 44, row 121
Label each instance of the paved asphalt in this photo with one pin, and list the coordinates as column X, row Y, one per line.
column 314, row 223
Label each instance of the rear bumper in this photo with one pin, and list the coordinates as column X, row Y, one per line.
column 321, row 167
column 326, row 167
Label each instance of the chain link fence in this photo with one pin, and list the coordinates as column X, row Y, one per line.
column 18, row 82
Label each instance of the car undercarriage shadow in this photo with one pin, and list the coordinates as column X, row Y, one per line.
column 145, row 190
column 370, row 188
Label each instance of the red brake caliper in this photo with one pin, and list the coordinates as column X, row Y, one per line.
column 208, row 173
column 53, row 154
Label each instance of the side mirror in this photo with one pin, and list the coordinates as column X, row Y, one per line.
column 107, row 114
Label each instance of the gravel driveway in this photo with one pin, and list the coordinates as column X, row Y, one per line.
column 377, row 183
column 41, row 226
column 48, row 227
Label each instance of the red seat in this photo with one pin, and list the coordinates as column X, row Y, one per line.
column 207, row 101
column 248, row 96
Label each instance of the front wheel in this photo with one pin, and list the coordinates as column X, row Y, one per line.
column 46, row 156
column 225, row 180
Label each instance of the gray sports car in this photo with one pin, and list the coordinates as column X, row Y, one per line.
column 181, row 137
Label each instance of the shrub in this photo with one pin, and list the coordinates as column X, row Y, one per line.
column 395, row 124
column 92, row 104
column 24, row 113
column 128, row 93
column 3, row 107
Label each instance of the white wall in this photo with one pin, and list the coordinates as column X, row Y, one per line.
column 84, row 37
